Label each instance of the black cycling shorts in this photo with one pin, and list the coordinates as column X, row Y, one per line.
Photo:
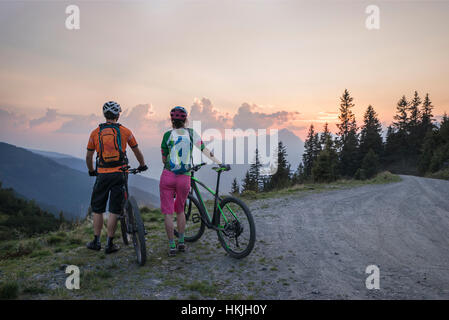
column 108, row 185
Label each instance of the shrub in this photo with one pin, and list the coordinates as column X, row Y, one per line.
column 360, row 174
column 41, row 253
column 20, row 249
column 370, row 165
column 9, row 290
column 75, row 240
column 55, row 239
column 325, row 166
column 249, row 194
column 34, row 288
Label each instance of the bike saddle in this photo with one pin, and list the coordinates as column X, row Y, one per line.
column 222, row 167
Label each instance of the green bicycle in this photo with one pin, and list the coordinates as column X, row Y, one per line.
column 231, row 218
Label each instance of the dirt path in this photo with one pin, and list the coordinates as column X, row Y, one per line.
column 403, row 228
column 314, row 246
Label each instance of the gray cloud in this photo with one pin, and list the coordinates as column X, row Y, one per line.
column 50, row 116
column 138, row 116
column 11, row 120
column 204, row 111
column 80, row 124
column 247, row 117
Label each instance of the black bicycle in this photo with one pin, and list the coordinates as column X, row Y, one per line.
column 131, row 222
column 231, row 218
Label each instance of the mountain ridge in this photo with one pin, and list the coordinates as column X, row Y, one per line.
column 54, row 186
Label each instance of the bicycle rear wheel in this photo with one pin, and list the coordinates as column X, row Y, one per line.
column 237, row 232
column 194, row 222
column 137, row 230
column 124, row 229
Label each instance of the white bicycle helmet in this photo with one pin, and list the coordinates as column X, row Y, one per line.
column 113, row 107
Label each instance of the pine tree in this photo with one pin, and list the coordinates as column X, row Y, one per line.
column 347, row 136
column 413, row 109
column 430, row 144
column 310, row 151
column 401, row 117
column 435, row 150
column 316, row 145
column 445, row 119
column 426, row 116
column 325, row 135
column 370, row 135
column 281, row 178
column 298, row 176
column 397, row 147
column 254, row 172
column 325, row 168
column 248, row 183
column 414, row 125
column 370, row 165
column 235, row 188
column 347, row 125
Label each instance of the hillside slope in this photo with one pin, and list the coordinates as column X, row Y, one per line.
column 146, row 190
column 53, row 186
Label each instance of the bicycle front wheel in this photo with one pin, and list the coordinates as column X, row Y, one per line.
column 237, row 231
column 137, row 230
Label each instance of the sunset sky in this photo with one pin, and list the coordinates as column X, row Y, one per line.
column 233, row 63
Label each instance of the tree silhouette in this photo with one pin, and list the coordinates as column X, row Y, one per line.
column 281, row 178
column 347, row 136
column 370, row 134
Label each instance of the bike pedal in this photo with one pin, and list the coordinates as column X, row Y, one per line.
column 196, row 218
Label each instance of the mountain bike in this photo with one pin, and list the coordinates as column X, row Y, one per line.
column 231, row 217
column 131, row 223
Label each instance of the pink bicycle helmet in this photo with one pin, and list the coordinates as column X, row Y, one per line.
column 178, row 113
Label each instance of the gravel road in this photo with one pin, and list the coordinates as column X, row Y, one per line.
column 403, row 228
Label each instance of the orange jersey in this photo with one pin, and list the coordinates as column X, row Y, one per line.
column 127, row 139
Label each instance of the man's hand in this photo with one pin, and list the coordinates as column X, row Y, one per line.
column 142, row 168
column 93, row 173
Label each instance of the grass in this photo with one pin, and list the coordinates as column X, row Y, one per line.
column 9, row 290
column 41, row 253
column 55, row 239
column 381, row 178
column 46, row 256
column 205, row 288
column 442, row 174
column 34, row 288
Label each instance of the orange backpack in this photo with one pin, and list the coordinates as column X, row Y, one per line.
column 111, row 154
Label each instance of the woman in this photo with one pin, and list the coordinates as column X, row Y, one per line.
column 177, row 147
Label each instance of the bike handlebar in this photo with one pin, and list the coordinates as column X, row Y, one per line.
column 198, row 166
column 224, row 167
column 129, row 170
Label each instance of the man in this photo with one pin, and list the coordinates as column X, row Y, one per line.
column 109, row 140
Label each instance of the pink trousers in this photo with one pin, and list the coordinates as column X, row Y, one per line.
column 172, row 185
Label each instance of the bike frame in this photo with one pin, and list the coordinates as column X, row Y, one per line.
column 211, row 223
column 126, row 194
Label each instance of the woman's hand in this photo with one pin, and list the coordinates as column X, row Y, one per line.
column 211, row 156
